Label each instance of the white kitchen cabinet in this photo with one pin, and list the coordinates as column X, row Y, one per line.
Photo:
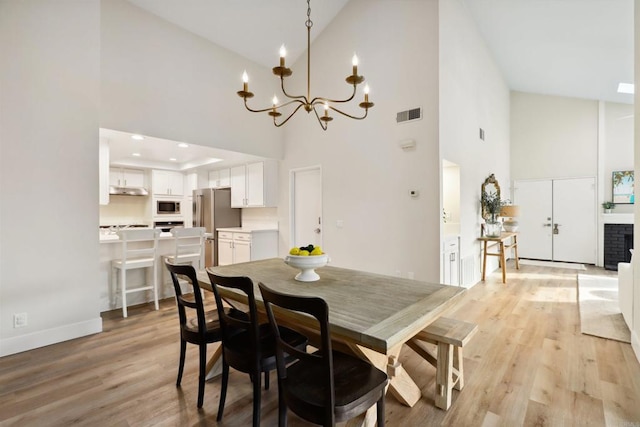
column 121, row 177
column 167, row 183
column 219, row 178
column 254, row 185
column 225, row 248
column 243, row 246
column 238, row 182
column 451, row 260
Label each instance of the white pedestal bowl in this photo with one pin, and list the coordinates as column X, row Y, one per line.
column 307, row 266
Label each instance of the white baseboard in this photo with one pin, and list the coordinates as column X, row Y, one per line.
column 49, row 336
column 635, row 344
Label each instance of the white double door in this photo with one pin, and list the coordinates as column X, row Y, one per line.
column 558, row 219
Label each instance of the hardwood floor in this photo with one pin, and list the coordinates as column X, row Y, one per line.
column 528, row 365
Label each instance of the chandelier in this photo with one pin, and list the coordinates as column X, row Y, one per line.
column 301, row 101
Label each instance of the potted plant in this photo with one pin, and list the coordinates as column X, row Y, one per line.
column 491, row 204
column 608, row 206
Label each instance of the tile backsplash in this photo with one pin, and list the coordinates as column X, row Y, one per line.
column 123, row 210
column 260, row 218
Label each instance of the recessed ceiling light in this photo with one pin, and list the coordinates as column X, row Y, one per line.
column 137, row 137
column 135, row 154
column 183, row 145
column 173, row 159
column 626, row 88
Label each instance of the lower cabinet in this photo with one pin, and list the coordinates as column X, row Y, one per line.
column 243, row 246
column 451, row 260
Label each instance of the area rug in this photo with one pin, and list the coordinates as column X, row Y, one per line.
column 553, row 264
column 599, row 310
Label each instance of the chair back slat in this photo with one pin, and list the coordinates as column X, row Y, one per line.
column 146, row 243
column 188, row 241
column 187, row 271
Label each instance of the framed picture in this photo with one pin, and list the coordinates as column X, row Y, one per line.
column 623, row 187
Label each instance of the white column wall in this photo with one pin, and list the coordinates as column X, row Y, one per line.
column 473, row 95
column 49, row 110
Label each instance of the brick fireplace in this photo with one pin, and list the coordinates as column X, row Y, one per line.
column 618, row 239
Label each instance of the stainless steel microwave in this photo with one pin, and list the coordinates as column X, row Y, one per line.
column 167, row 207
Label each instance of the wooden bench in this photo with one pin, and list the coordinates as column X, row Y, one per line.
column 449, row 335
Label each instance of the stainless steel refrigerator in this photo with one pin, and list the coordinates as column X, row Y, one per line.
column 212, row 210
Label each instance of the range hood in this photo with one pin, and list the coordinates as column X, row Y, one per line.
column 128, row 191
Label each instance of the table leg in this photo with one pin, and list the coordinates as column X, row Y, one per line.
column 503, row 264
column 484, row 260
column 214, row 365
column 515, row 248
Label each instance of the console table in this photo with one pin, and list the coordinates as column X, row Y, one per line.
column 502, row 247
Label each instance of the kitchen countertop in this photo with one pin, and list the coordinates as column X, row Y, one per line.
column 245, row 229
column 111, row 238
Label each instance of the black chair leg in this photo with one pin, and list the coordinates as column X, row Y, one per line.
column 282, row 408
column 203, row 374
column 223, row 390
column 256, row 399
column 266, row 380
column 380, row 411
column 183, row 352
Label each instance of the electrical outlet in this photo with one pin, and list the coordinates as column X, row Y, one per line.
column 19, row 320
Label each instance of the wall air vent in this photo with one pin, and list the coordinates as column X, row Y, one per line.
column 409, row 115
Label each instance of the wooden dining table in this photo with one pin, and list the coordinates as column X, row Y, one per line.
column 371, row 315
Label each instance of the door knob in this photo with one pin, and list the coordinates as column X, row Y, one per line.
column 317, row 231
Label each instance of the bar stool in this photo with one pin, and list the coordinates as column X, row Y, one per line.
column 188, row 246
column 138, row 251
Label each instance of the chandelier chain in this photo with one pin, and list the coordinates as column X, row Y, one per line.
column 309, row 22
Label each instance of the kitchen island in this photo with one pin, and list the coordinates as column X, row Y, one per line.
column 110, row 249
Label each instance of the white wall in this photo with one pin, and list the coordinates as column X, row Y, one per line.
column 473, row 95
column 160, row 80
column 49, row 86
column 635, row 330
column 553, row 136
column 366, row 175
column 617, row 147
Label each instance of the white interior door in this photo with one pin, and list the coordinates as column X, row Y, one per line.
column 307, row 207
column 574, row 216
column 535, row 199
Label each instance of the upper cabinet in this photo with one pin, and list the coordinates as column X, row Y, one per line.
column 167, row 183
column 121, row 177
column 219, row 178
column 254, row 185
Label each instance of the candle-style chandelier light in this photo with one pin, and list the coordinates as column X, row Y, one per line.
column 307, row 102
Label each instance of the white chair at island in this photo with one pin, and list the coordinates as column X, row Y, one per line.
column 139, row 247
column 188, row 248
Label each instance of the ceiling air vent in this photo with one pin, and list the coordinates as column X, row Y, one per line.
column 409, row 115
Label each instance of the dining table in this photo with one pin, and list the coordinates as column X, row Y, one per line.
column 370, row 315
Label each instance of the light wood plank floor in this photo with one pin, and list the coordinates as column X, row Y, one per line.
column 528, row 365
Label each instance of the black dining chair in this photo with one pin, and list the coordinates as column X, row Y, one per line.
column 326, row 386
column 247, row 345
column 200, row 329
